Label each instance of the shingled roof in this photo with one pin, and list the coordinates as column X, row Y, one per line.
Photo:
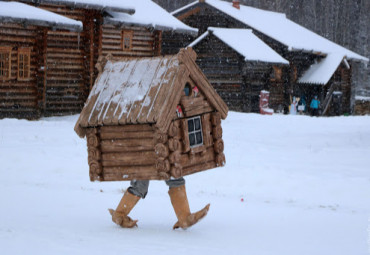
column 146, row 90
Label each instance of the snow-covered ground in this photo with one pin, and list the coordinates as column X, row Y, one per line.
column 291, row 185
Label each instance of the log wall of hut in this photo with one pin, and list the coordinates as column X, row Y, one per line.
column 142, row 152
column 19, row 97
column 121, row 152
column 223, row 68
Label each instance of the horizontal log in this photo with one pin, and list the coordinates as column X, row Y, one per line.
column 139, row 176
column 198, row 168
column 188, row 159
column 198, row 111
column 217, row 132
column 160, row 137
column 174, row 144
column 126, row 135
column 176, row 170
column 129, row 158
column 128, row 170
column 218, row 146
column 162, row 165
column 127, row 145
column 216, row 119
column 161, row 150
column 126, row 128
column 174, row 129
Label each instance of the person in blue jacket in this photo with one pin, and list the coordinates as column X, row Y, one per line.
column 315, row 104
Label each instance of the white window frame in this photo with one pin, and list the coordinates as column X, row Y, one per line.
column 195, row 131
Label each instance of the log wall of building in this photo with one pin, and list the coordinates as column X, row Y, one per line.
column 67, row 61
column 173, row 42
column 222, row 67
column 143, row 42
column 19, row 98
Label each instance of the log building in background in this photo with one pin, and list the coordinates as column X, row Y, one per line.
column 120, row 28
column 23, row 62
column 317, row 65
column 152, row 118
column 239, row 65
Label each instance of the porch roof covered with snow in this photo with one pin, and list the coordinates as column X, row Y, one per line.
column 245, row 43
column 26, row 14
column 320, row 72
column 149, row 14
column 102, row 5
column 278, row 27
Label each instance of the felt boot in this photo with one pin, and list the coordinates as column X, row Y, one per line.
column 120, row 215
column 180, row 204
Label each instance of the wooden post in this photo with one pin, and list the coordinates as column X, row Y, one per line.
column 45, row 46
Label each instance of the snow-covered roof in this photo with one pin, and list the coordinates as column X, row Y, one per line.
column 245, row 43
column 23, row 13
column 362, row 98
column 279, row 27
column 145, row 90
column 323, row 70
column 148, row 13
column 106, row 5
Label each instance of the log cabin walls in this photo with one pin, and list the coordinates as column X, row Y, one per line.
column 57, row 64
column 23, row 57
column 284, row 37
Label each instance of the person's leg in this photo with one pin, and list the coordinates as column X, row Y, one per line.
column 137, row 190
column 180, row 204
column 174, row 183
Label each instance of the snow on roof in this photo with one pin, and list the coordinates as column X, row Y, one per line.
column 278, row 27
column 248, row 45
column 322, row 71
column 362, row 98
column 107, row 5
column 148, row 13
column 184, row 7
column 19, row 12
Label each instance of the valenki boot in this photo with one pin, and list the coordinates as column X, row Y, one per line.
column 180, row 204
column 120, row 215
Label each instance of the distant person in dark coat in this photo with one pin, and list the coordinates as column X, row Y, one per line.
column 315, row 104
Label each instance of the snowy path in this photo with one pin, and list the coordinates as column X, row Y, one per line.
column 305, row 183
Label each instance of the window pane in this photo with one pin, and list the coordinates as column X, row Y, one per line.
column 199, row 137
column 192, row 139
column 197, row 124
column 190, row 125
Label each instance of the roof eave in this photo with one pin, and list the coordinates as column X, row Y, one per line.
column 109, row 21
column 41, row 23
column 83, row 5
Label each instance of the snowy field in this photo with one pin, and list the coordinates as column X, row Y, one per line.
column 291, row 185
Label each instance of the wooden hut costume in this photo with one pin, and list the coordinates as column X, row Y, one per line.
column 152, row 119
